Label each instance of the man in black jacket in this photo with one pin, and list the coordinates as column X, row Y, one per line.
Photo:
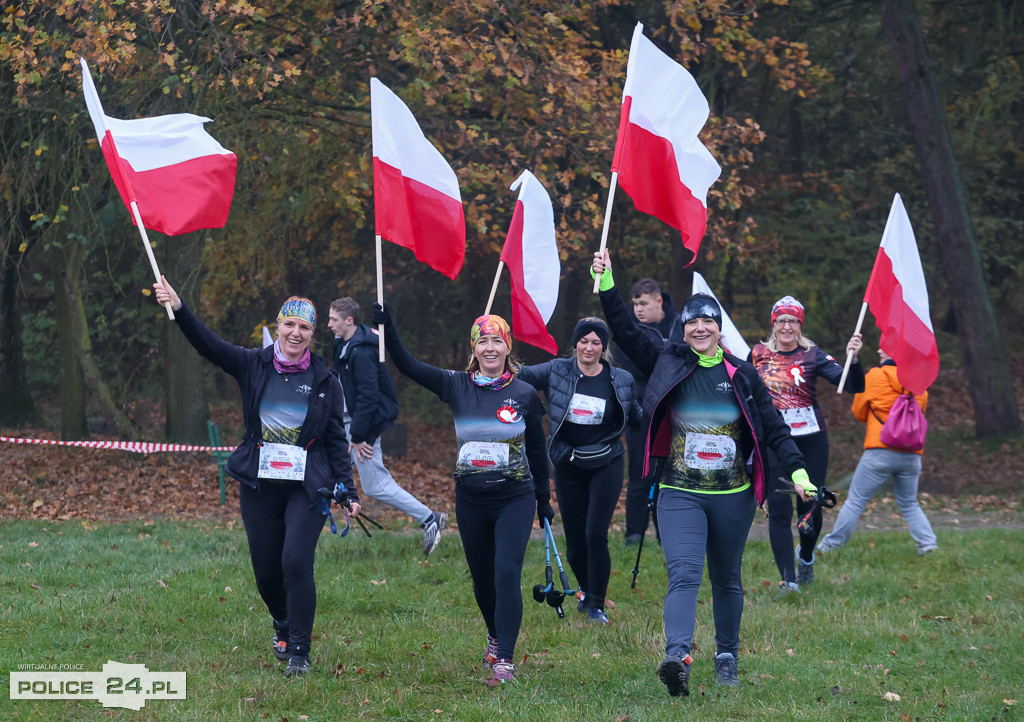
column 657, row 319
column 371, row 407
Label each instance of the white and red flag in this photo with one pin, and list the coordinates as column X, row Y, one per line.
column 531, row 255
column 732, row 340
column 898, row 299
column 660, row 160
column 181, row 179
column 416, row 198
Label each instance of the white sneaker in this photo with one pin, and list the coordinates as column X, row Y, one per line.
column 432, row 532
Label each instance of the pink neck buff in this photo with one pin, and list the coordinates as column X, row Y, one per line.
column 284, row 366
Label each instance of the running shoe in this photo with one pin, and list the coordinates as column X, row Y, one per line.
column 280, row 640
column 297, row 666
column 726, row 671
column 598, row 616
column 674, row 673
column 787, row 589
column 582, row 605
column 504, row 671
column 491, row 654
column 804, row 570
column 432, row 531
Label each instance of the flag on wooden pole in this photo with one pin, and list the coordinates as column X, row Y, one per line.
column 660, row 160
column 898, row 298
column 531, row 254
column 180, row 177
column 416, row 198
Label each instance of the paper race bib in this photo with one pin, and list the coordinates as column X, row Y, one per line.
column 282, row 461
column 483, row 455
column 802, row 420
column 586, row 410
column 709, row 451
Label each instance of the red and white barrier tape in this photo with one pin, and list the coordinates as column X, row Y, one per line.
column 139, row 447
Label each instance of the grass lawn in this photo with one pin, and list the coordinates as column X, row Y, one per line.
column 397, row 637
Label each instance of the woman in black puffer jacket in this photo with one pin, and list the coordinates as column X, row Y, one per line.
column 589, row 402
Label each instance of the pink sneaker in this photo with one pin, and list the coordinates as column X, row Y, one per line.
column 504, row 671
column 491, row 655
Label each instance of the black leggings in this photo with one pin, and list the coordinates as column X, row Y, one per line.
column 283, row 527
column 586, row 501
column 814, row 448
column 494, row 535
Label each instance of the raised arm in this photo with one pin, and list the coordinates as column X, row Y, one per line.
column 640, row 349
column 427, row 376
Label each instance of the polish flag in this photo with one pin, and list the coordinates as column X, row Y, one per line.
column 661, row 162
column 416, row 198
column 180, row 177
column 531, row 255
column 731, row 338
column 898, row 299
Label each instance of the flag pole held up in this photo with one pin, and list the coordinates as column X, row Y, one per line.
column 849, row 358
column 607, row 222
column 494, row 287
column 380, row 300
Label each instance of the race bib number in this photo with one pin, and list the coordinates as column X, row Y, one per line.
column 802, row 420
column 282, row 461
column 709, row 451
column 586, row 410
column 483, row 455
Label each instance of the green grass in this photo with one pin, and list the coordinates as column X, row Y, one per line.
column 399, row 638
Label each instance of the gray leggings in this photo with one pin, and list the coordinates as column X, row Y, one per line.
column 694, row 525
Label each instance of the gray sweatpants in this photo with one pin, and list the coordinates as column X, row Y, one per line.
column 877, row 466
column 694, row 526
column 377, row 483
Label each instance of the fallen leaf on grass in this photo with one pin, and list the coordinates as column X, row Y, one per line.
column 162, row 583
column 891, row 697
column 33, row 544
column 1010, row 701
column 376, row 583
column 790, row 653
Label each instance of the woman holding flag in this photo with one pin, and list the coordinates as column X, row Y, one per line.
column 590, row 402
column 294, row 445
column 501, row 471
column 706, row 413
column 789, row 363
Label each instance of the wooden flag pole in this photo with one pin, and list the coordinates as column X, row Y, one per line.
column 380, row 300
column 149, row 252
column 849, row 358
column 494, row 287
column 607, row 223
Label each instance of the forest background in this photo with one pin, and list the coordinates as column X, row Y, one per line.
column 808, row 122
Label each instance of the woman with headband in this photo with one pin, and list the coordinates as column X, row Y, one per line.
column 590, row 402
column 294, row 444
column 789, row 363
column 501, row 471
column 708, row 415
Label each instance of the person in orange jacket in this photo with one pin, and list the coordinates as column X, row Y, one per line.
column 879, row 463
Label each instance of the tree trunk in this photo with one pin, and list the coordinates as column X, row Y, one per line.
column 185, row 371
column 17, row 408
column 80, row 347
column 985, row 363
column 73, row 422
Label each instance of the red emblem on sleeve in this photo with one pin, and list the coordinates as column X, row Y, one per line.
column 508, row 415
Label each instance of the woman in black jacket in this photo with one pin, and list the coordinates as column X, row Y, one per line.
column 501, row 472
column 706, row 414
column 294, row 445
column 589, row 402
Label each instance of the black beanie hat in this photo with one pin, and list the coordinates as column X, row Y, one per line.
column 701, row 305
column 585, row 326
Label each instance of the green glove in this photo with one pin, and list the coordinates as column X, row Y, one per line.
column 801, row 479
column 607, row 282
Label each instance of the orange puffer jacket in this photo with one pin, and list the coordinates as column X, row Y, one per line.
column 881, row 389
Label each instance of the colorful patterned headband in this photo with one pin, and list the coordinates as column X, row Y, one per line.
column 298, row 307
column 490, row 325
column 788, row 306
